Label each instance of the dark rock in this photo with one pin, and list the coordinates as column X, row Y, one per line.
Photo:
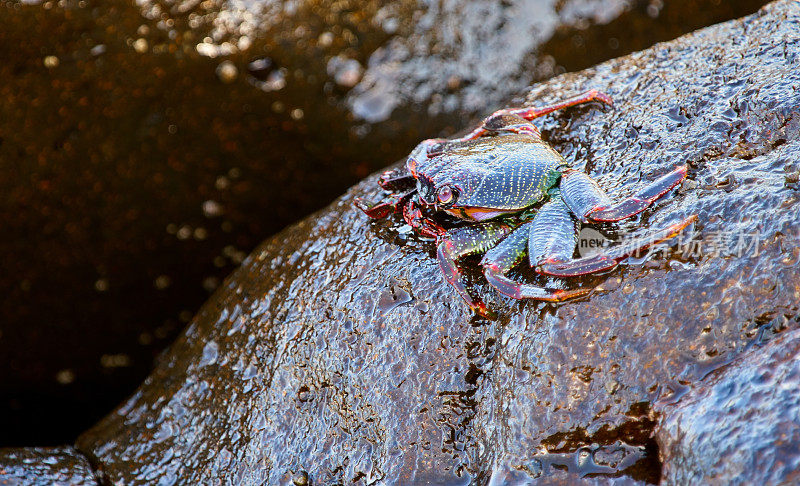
column 148, row 146
column 740, row 426
column 45, row 466
column 338, row 350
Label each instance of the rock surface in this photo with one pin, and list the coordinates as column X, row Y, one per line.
column 45, row 466
column 740, row 426
column 148, row 146
column 338, row 352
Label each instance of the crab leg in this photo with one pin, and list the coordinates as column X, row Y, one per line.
column 466, row 241
column 553, row 233
column 532, row 113
column 500, row 259
column 557, row 266
column 590, row 203
column 587, row 97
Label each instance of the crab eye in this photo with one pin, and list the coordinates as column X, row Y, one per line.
column 445, row 195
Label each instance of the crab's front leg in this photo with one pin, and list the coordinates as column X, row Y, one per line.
column 460, row 242
column 396, row 180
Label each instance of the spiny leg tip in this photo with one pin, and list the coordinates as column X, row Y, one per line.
column 602, row 97
column 362, row 204
column 564, row 295
column 686, row 222
column 682, row 171
column 482, row 310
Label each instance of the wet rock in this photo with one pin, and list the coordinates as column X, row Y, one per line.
column 45, row 466
column 740, row 425
column 338, row 351
column 121, row 120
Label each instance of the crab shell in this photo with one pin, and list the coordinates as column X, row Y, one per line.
column 485, row 178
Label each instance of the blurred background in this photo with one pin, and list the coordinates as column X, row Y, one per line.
column 147, row 146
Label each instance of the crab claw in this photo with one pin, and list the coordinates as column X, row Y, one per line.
column 396, row 179
column 422, row 225
column 379, row 210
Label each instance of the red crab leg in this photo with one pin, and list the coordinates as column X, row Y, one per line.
column 533, row 112
column 557, row 266
column 587, row 97
column 590, row 203
column 500, row 259
column 465, row 241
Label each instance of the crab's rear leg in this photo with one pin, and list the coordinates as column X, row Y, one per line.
column 500, row 259
column 464, row 241
column 536, row 112
column 501, row 117
column 590, row 203
column 561, row 265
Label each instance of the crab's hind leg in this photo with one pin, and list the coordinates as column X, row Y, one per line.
column 509, row 119
column 464, row 241
column 590, row 203
column 567, row 267
column 536, row 112
column 500, row 259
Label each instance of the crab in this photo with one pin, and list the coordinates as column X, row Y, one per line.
column 515, row 196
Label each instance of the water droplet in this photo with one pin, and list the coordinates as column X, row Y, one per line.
column 141, row 45
column 346, row 72
column 210, row 353
column 227, row 72
column 65, row 377
column 301, row 479
column 212, row 209
column 51, row 62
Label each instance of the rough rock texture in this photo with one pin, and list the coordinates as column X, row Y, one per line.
column 45, row 466
column 337, row 351
column 741, row 425
column 147, row 146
